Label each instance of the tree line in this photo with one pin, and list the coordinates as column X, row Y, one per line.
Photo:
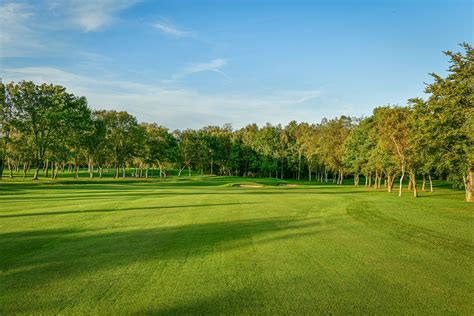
column 46, row 129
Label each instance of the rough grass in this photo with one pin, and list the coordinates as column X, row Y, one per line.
column 201, row 246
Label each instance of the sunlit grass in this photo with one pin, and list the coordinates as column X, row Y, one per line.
column 202, row 246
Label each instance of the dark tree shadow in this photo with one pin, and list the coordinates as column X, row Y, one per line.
column 368, row 215
column 57, row 254
column 232, row 302
column 151, row 208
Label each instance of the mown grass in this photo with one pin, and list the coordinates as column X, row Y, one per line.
column 202, row 246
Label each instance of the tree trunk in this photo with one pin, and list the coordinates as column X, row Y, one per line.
column 1, row 168
column 189, row 171
column 100, row 172
column 401, row 181
column 413, row 182
column 389, row 181
column 46, row 168
column 469, row 186
column 123, row 172
column 309, row 173
column 57, row 171
column 423, row 183
column 299, row 165
column 25, row 169
column 35, row 176
column 91, row 168
column 431, row 182
column 281, row 172
column 10, row 170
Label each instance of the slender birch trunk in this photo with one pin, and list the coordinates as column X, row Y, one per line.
column 431, row 182
column 413, row 182
column 401, row 181
column 10, row 170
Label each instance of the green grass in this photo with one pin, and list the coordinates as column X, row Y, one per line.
column 201, row 246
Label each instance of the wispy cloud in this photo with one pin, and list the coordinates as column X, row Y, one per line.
column 179, row 108
column 214, row 65
column 172, row 30
column 89, row 15
column 26, row 26
column 16, row 33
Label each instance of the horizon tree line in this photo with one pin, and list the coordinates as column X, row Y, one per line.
column 46, row 129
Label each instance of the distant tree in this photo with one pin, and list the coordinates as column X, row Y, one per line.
column 331, row 145
column 160, row 147
column 356, row 149
column 6, row 117
column 123, row 137
column 393, row 130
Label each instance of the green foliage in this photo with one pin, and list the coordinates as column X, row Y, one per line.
column 44, row 123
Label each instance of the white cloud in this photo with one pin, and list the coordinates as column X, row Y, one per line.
column 26, row 28
column 177, row 108
column 172, row 30
column 214, row 65
column 92, row 15
column 16, row 34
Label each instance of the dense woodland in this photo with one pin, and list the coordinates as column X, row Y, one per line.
column 48, row 130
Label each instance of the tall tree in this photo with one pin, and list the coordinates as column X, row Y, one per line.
column 451, row 105
column 123, row 136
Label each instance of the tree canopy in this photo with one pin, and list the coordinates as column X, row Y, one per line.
column 43, row 127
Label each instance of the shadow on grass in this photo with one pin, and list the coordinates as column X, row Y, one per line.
column 369, row 215
column 118, row 210
column 52, row 255
column 109, row 194
column 234, row 301
column 428, row 194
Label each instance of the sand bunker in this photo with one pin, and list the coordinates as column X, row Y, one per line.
column 248, row 186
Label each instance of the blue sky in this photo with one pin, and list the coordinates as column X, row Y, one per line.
column 196, row 63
